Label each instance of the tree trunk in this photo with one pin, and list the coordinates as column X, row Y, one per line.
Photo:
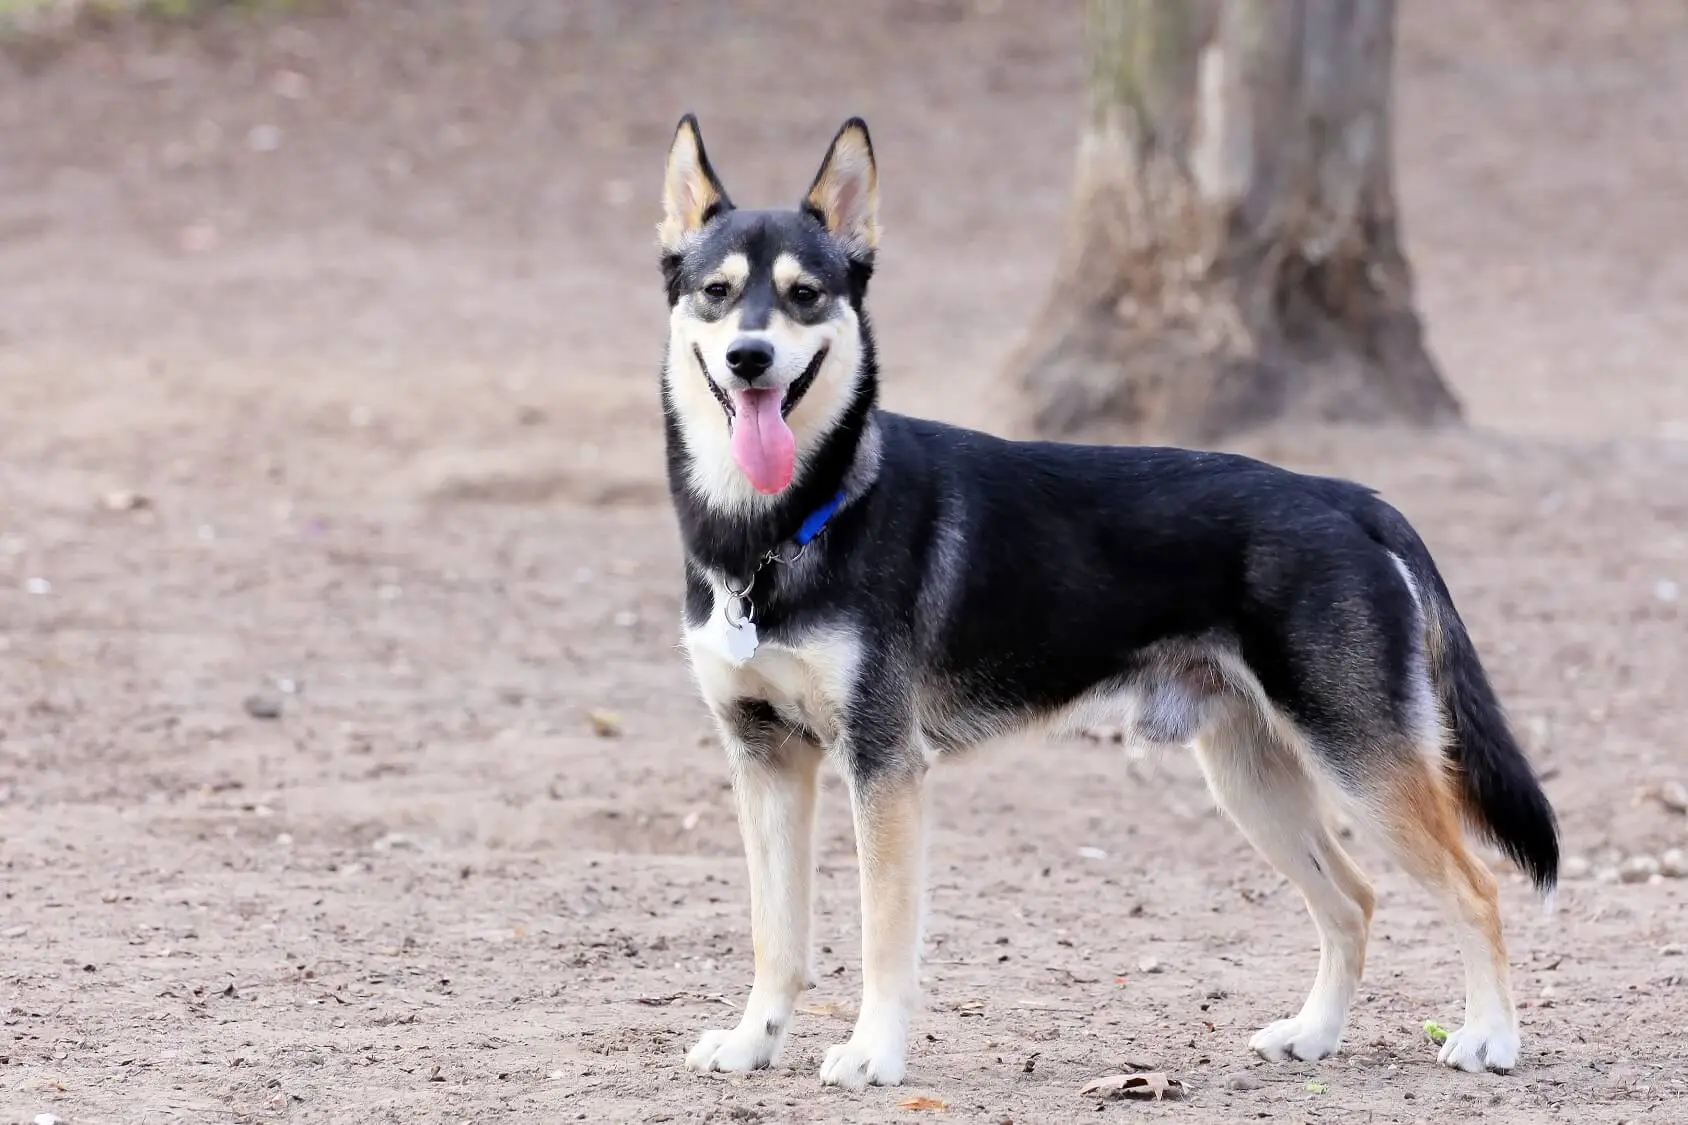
column 1232, row 254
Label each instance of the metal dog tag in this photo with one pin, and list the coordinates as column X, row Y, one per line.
column 741, row 641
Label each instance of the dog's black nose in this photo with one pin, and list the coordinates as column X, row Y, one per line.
column 750, row 359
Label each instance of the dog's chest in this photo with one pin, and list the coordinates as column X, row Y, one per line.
column 807, row 681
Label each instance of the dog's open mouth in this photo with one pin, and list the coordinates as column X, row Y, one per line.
column 763, row 444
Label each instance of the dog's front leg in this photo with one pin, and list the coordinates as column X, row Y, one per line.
column 776, row 775
column 889, row 809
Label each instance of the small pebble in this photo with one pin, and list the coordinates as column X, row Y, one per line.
column 1150, row 965
column 1673, row 795
column 122, row 500
column 1674, row 949
column 1638, row 869
column 1092, row 853
column 38, row 586
column 262, row 706
column 1242, row 1080
column 1576, row 867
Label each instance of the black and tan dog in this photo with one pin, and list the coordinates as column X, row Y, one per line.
column 876, row 591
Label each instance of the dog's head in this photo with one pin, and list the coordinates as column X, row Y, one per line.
column 766, row 340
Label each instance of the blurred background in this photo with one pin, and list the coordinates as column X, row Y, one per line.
column 345, row 755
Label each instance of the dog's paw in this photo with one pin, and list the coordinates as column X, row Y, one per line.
column 1475, row 1048
column 741, row 1049
column 871, row 1058
column 1297, row 1038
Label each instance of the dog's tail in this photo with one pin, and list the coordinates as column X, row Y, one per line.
column 1499, row 794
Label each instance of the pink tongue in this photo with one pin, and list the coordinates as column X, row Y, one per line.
column 762, row 442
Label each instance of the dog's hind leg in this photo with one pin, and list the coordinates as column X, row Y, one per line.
column 889, row 810
column 1421, row 820
column 776, row 775
column 1263, row 785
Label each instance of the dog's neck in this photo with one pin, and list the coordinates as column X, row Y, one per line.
column 732, row 542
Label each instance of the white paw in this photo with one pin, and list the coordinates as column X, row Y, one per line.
column 864, row 1061
column 741, row 1049
column 1299, row 1038
column 1474, row 1048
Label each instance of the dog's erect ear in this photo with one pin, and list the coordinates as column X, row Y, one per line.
column 691, row 195
column 845, row 194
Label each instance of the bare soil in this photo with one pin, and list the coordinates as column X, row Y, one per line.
column 328, row 354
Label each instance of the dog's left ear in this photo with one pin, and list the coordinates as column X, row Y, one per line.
column 845, row 194
column 691, row 194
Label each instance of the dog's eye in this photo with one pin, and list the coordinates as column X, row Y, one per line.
column 717, row 290
column 804, row 294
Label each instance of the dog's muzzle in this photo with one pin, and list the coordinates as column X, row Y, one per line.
column 793, row 393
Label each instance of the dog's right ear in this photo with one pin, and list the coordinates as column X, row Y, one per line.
column 691, row 195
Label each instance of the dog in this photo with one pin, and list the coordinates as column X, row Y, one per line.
column 878, row 591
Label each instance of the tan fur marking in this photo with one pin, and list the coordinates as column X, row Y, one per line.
column 890, row 843
column 734, row 269
column 1353, row 882
column 1423, row 818
column 890, row 819
column 788, row 272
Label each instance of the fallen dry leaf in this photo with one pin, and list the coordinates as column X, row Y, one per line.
column 824, row 1008
column 1154, row 1084
column 123, row 500
column 923, row 1102
column 605, row 724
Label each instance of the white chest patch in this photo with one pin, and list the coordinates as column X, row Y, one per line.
column 810, row 681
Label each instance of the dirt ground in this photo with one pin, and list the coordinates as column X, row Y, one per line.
column 328, row 354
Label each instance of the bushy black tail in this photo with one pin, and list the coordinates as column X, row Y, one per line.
column 1503, row 799
column 1500, row 795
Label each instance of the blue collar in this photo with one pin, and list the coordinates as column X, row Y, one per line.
column 816, row 523
column 812, row 527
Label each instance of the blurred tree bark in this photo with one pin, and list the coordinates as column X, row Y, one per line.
column 1232, row 255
